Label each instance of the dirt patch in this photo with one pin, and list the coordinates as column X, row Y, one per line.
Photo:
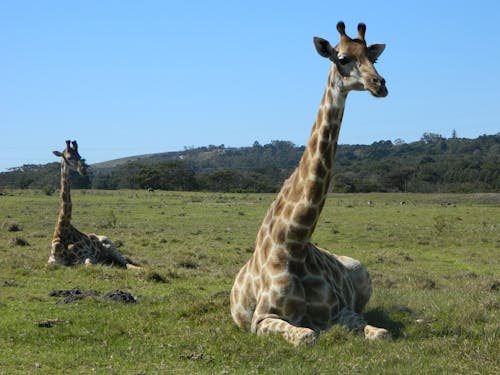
column 18, row 241
column 12, row 227
column 72, row 295
column 120, row 296
column 75, row 294
column 49, row 323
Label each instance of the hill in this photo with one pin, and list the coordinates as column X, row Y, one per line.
column 432, row 164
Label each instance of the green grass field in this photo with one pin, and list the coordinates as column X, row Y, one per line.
column 434, row 263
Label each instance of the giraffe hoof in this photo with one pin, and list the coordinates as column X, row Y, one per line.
column 303, row 337
column 132, row 267
column 375, row 333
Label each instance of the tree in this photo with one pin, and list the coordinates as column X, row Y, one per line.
column 431, row 138
column 432, row 164
column 399, row 178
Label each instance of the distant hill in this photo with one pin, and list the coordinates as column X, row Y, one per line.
column 432, row 164
column 147, row 159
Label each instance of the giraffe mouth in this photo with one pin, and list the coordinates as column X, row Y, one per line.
column 379, row 92
column 376, row 86
column 382, row 92
column 82, row 169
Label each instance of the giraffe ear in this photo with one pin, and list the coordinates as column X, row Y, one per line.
column 57, row 153
column 374, row 51
column 323, row 47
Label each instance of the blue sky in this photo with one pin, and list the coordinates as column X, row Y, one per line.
column 134, row 77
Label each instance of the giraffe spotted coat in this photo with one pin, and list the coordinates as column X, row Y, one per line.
column 289, row 286
column 69, row 245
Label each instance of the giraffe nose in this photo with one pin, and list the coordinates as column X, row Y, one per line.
column 378, row 81
column 376, row 85
column 378, row 89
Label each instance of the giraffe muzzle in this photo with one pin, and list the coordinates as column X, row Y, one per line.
column 382, row 92
column 378, row 88
column 82, row 169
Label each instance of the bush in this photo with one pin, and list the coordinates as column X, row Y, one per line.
column 48, row 190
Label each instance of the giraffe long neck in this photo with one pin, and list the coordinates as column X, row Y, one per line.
column 64, row 218
column 292, row 217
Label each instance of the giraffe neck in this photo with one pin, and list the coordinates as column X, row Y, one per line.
column 63, row 223
column 292, row 217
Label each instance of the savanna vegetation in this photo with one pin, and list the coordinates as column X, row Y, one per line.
column 434, row 260
column 433, row 164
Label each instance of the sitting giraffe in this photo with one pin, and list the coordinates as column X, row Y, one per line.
column 69, row 245
column 289, row 286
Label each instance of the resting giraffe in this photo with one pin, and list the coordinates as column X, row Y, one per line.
column 69, row 245
column 289, row 286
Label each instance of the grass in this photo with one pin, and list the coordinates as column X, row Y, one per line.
column 434, row 262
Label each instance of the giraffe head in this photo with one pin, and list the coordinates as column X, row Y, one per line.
column 354, row 60
column 72, row 159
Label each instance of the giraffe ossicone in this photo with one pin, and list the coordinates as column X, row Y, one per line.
column 289, row 286
column 69, row 245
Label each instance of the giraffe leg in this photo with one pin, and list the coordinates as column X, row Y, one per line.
column 53, row 259
column 112, row 253
column 57, row 254
column 354, row 322
column 89, row 262
column 82, row 254
column 375, row 333
column 131, row 266
column 292, row 334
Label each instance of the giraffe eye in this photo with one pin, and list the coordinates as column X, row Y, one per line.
column 344, row 60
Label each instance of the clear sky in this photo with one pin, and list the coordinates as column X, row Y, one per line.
column 134, row 77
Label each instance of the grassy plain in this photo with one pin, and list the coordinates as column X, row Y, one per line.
column 434, row 262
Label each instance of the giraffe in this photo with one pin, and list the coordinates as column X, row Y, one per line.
column 289, row 286
column 69, row 245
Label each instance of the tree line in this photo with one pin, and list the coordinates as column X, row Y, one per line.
column 432, row 164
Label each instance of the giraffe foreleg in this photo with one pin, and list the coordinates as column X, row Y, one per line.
column 294, row 335
column 58, row 254
column 80, row 252
column 63, row 255
column 90, row 261
column 131, row 266
column 55, row 253
column 376, row 333
column 109, row 251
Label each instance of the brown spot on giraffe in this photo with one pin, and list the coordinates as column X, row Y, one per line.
column 260, row 239
column 305, row 214
column 275, row 267
column 312, row 148
column 263, row 255
column 331, row 116
column 314, row 193
column 279, row 206
column 303, row 170
column 296, row 233
column 328, row 96
column 304, row 289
